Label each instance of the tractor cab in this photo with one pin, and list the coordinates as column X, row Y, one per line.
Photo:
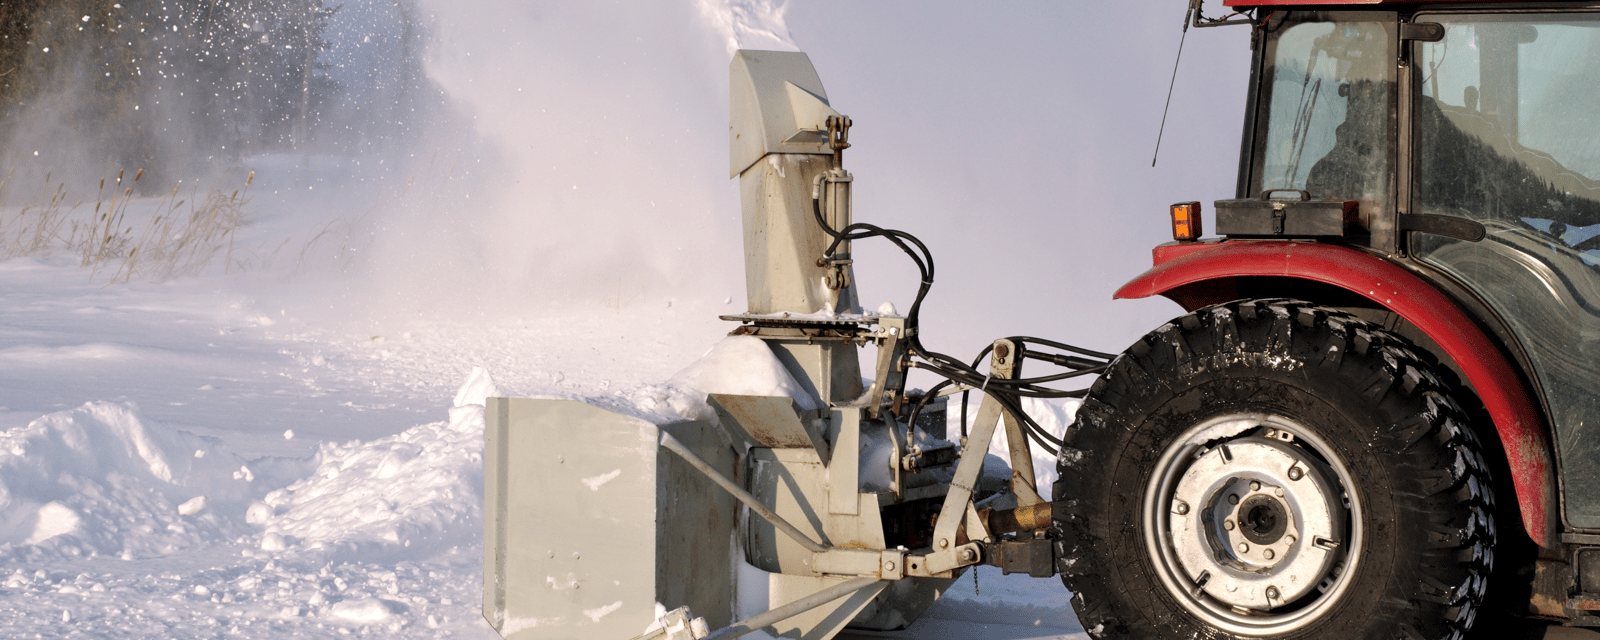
column 1463, row 145
column 1431, row 170
column 1376, row 418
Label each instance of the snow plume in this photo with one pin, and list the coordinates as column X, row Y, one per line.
column 750, row 24
column 599, row 144
column 102, row 480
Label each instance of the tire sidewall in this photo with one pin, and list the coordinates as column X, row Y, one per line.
column 1136, row 465
column 1179, row 377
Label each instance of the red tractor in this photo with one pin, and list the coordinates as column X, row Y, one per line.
column 1381, row 415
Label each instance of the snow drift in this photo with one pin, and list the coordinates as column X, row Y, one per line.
column 406, row 494
column 102, row 480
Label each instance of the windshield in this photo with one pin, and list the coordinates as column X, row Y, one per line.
column 1329, row 98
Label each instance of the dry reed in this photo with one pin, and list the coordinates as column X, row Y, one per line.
column 177, row 237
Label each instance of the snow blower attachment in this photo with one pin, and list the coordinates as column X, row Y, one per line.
column 849, row 497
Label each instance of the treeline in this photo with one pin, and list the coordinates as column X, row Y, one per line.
column 96, row 86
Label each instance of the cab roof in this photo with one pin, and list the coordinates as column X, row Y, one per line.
column 1284, row 3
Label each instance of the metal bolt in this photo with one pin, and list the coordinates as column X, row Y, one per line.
column 944, row 543
column 1278, row 491
column 968, row 555
column 1227, row 524
column 1233, row 498
column 1244, row 547
column 1180, row 507
column 888, row 566
column 1255, row 486
column 1001, row 350
column 1267, row 553
column 1296, row 473
column 1272, row 593
column 1289, row 540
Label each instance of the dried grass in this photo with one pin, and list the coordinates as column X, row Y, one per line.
column 178, row 236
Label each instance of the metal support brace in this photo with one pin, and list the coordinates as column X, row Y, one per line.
column 880, row 564
column 1005, row 362
column 958, row 510
column 792, row 609
column 674, row 445
column 891, row 371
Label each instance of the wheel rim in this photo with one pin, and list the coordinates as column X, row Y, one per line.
column 1252, row 525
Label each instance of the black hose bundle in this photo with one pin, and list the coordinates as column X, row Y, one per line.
column 1007, row 392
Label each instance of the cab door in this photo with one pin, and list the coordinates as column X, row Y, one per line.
column 1505, row 131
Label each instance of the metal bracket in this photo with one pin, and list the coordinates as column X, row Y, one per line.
column 678, row 624
column 1201, row 22
column 1006, row 363
column 1034, row 556
column 884, row 564
column 942, row 562
column 959, row 499
column 890, row 377
column 892, row 566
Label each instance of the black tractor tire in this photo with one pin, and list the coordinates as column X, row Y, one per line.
column 1165, row 509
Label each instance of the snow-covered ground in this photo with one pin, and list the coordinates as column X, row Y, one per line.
column 178, row 460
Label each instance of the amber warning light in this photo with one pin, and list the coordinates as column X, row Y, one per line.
column 1186, row 221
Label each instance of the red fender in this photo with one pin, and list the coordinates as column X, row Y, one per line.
column 1516, row 416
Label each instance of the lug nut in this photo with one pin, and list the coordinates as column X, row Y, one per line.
column 1296, row 473
column 1244, row 547
column 1267, row 553
column 1233, row 498
column 1227, row 524
column 1180, row 507
column 1255, row 486
column 1272, row 593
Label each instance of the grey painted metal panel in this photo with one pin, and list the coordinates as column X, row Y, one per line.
column 776, row 104
column 771, row 421
column 782, row 241
column 589, row 524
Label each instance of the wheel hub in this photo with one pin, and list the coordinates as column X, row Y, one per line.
column 1255, row 522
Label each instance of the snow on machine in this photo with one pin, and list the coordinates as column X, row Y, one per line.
column 1374, row 419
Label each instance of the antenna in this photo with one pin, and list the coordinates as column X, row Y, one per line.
column 1193, row 4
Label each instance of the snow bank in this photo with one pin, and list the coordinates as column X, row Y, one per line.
column 102, row 480
column 410, row 494
column 742, row 365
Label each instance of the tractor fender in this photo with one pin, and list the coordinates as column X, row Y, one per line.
column 1197, row 274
